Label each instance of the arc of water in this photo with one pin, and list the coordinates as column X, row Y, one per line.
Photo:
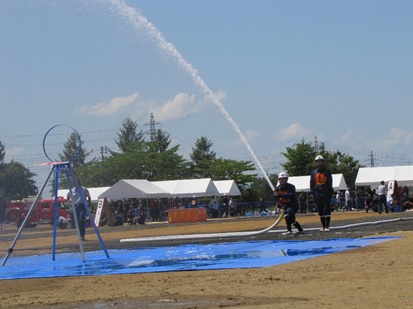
column 138, row 21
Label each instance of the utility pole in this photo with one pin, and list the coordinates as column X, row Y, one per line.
column 316, row 144
column 371, row 159
column 152, row 128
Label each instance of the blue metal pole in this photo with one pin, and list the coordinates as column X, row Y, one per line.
column 26, row 219
column 102, row 244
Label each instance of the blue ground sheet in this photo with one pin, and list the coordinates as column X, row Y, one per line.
column 251, row 254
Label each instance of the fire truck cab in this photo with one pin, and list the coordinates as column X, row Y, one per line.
column 43, row 211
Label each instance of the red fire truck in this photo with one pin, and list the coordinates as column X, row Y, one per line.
column 43, row 211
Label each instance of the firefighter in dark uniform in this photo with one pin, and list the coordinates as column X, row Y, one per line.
column 321, row 186
column 284, row 194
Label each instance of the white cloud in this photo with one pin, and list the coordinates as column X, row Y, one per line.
column 293, row 131
column 13, row 152
column 351, row 135
column 114, row 106
column 398, row 136
column 250, row 136
column 181, row 106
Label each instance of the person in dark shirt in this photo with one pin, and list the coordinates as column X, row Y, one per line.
column 321, row 187
column 284, row 195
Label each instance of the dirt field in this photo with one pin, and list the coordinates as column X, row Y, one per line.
column 378, row 276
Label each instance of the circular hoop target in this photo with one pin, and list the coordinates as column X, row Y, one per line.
column 56, row 137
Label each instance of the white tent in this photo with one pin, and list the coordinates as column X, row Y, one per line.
column 188, row 187
column 339, row 183
column 404, row 175
column 166, row 185
column 94, row 193
column 372, row 176
column 133, row 188
column 302, row 183
column 228, row 187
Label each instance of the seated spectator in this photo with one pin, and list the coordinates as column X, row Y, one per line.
column 130, row 217
column 408, row 205
column 140, row 217
column 103, row 220
column 194, row 202
column 62, row 223
column 118, row 219
column 368, row 202
column 375, row 204
column 392, row 203
column 405, row 199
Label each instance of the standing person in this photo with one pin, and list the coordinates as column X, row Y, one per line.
column 321, row 186
column 75, row 198
column 347, row 200
column 152, row 209
column 382, row 196
column 302, row 202
column 375, row 204
column 337, row 207
column 263, row 207
column 225, row 202
column 284, row 193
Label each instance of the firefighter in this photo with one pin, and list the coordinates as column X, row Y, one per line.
column 321, row 187
column 284, row 195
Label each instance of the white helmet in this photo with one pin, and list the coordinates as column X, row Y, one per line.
column 319, row 158
column 283, row 175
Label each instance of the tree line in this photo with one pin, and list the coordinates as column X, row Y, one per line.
column 154, row 159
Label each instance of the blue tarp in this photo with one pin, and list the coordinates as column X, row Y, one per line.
column 253, row 254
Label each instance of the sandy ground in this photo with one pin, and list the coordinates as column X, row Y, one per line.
column 378, row 276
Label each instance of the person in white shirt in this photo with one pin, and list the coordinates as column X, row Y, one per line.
column 62, row 223
column 382, row 196
column 347, row 198
column 75, row 197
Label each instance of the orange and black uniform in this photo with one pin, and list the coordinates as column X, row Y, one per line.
column 287, row 200
column 321, row 186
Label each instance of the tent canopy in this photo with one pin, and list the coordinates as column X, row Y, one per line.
column 141, row 188
column 302, row 183
column 372, row 176
column 228, row 187
column 133, row 188
column 94, row 193
column 188, row 187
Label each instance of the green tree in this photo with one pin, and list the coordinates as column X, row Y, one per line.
column 71, row 147
column 3, row 203
column 259, row 187
column 202, row 157
column 2, row 152
column 345, row 164
column 128, row 135
column 226, row 169
column 300, row 159
column 16, row 181
column 141, row 163
column 161, row 142
column 167, row 165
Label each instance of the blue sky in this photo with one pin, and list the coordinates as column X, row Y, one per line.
column 283, row 70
